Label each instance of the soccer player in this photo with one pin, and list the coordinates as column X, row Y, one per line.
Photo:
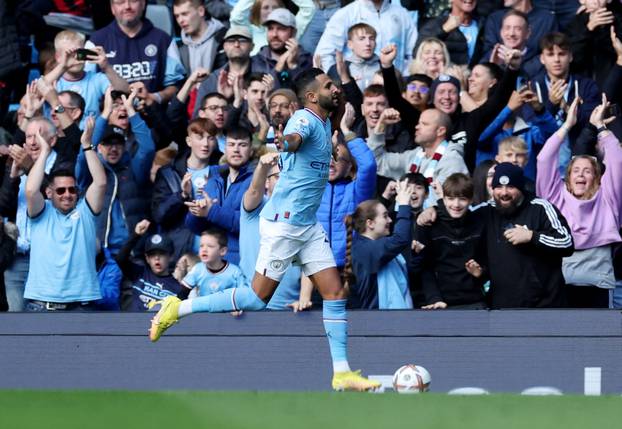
column 289, row 230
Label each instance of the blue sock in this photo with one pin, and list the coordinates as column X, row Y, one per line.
column 336, row 327
column 233, row 299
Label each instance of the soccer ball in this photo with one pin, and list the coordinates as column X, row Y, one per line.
column 411, row 379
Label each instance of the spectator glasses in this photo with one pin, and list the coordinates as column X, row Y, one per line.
column 423, row 89
column 61, row 190
column 279, row 106
column 122, row 2
column 240, row 40
column 215, row 107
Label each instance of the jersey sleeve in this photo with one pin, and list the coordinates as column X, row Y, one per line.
column 174, row 71
column 192, row 278
column 300, row 125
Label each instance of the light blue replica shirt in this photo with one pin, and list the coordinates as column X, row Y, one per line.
column 470, row 34
column 199, row 180
column 91, row 87
column 288, row 289
column 62, row 255
column 208, row 282
column 304, row 173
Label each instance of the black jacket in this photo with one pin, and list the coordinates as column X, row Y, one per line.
column 449, row 244
column 530, row 274
column 456, row 41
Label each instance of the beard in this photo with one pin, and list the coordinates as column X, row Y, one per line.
column 329, row 104
column 508, row 210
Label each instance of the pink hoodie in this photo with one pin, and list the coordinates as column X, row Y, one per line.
column 594, row 222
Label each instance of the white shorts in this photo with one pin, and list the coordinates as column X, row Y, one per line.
column 282, row 243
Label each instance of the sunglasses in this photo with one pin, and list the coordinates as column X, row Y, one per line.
column 420, row 88
column 61, row 190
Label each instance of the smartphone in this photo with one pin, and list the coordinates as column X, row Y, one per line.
column 612, row 110
column 82, row 54
column 117, row 94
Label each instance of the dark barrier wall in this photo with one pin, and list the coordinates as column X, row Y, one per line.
column 501, row 351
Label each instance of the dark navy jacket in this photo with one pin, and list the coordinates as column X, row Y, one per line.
column 370, row 256
column 151, row 56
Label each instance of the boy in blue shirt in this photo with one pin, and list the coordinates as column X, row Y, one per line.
column 214, row 273
column 289, row 230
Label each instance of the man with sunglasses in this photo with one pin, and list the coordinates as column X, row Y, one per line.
column 417, row 91
column 63, row 233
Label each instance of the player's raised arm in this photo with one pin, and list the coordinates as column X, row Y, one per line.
column 286, row 143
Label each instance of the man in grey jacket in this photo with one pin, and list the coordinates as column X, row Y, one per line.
column 435, row 158
column 201, row 35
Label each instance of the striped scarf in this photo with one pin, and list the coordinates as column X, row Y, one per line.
column 429, row 171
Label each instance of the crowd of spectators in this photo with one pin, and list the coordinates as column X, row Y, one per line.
column 476, row 152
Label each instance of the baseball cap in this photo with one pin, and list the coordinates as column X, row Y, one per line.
column 508, row 174
column 113, row 135
column 160, row 243
column 238, row 31
column 281, row 16
column 444, row 78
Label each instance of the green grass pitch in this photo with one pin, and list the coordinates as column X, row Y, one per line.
column 275, row 410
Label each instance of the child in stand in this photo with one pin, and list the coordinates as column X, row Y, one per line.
column 450, row 245
column 152, row 282
column 214, row 273
column 375, row 269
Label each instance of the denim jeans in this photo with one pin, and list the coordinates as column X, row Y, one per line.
column 316, row 27
column 15, row 280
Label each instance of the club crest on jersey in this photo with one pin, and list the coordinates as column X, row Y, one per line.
column 199, row 182
column 303, row 121
column 75, row 215
column 277, row 265
column 151, row 50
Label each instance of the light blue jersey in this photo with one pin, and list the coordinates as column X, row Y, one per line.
column 199, row 180
column 288, row 290
column 470, row 34
column 62, row 255
column 304, row 173
column 208, row 282
column 91, row 87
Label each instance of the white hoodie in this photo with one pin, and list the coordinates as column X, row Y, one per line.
column 393, row 23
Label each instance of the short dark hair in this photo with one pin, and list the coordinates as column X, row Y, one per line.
column 239, row 132
column 213, row 95
column 419, row 77
column 416, row 179
column 458, row 185
column 306, row 80
column 495, row 71
column 253, row 77
column 59, row 172
column 550, row 40
column 75, row 100
column 219, row 234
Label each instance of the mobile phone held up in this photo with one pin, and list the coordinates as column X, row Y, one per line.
column 82, row 54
